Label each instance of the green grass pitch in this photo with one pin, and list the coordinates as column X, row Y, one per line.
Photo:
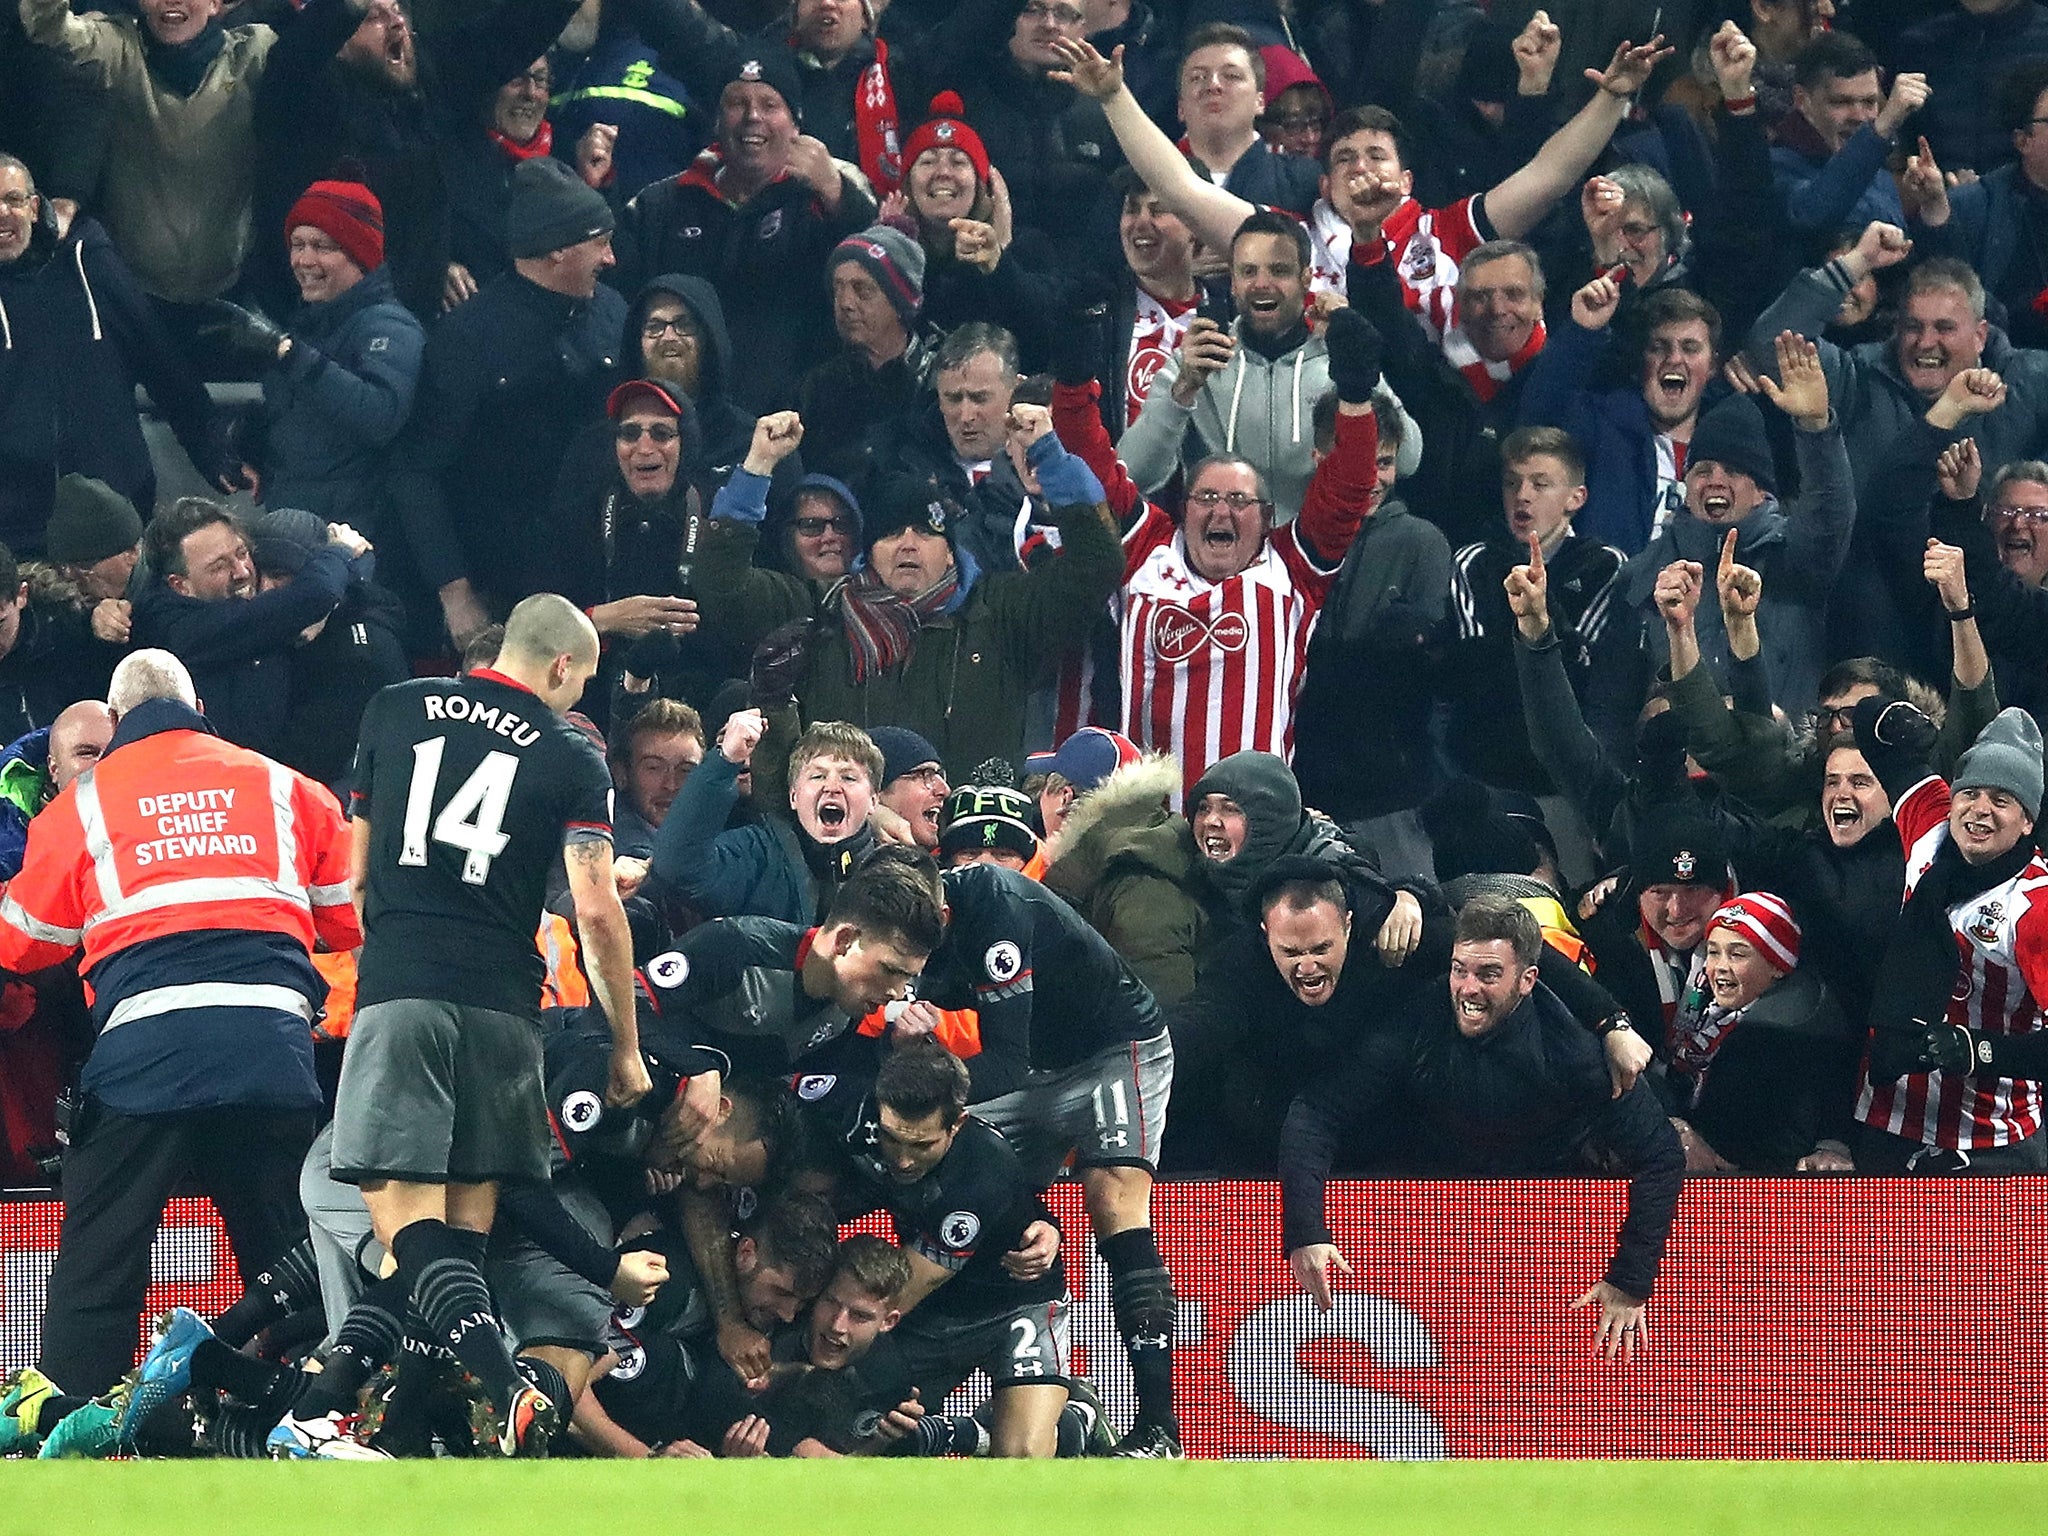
column 761, row 1498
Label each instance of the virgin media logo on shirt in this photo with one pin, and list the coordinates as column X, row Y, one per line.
column 1177, row 633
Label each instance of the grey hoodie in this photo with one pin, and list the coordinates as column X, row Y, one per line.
column 1256, row 407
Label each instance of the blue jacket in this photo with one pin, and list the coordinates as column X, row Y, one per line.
column 334, row 406
column 1987, row 226
column 1963, row 56
column 1612, row 428
column 1823, row 193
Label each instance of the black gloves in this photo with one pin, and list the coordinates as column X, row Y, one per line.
column 1077, row 352
column 1356, row 350
column 247, row 332
column 1660, row 750
column 1896, row 724
column 1949, row 1048
column 653, row 653
column 779, row 661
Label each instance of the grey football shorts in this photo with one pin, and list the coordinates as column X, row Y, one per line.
column 440, row 1093
column 1025, row 1347
column 1108, row 1109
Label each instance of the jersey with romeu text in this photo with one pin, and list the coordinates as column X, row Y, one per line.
column 471, row 787
column 2002, row 974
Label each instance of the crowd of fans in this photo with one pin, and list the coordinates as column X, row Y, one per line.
column 1281, row 474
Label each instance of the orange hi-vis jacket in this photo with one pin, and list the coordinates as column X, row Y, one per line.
column 197, row 875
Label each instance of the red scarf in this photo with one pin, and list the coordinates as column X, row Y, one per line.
column 874, row 124
column 882, row 625
column 1486, row 378
column 540, row 144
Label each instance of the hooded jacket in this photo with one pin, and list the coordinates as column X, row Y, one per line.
column 77, row 334
column 1798, row 553
column 724, row 428
column 762, row 257
column 181, row 164
column 332, row 409
column 24, row 787
column 1258, row 407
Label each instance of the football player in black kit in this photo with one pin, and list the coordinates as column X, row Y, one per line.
column 1074, row 1057
column 467, row 791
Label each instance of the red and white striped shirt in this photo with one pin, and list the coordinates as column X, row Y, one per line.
column 1212, row 668
column 1426, row 245
column 2002, row 942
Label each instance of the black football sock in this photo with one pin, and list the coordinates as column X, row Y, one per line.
column 56, row 1408
column 248, row 1380
column 369, row 1337
column 553, row 1385
column 448, row 1288
column 241, row 1434
column 1142, row 1300
column 288, row 1284
column 950, row 1434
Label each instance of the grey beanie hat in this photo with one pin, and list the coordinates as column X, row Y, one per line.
column 893, row 260
column 90, row 521
column 2007, row 756
column 552, row 208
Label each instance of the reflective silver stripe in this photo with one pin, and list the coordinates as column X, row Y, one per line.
column 92, row 818
column 186, row 893
column 207, row 994
column 340, row 894
column 13, row 913
column 287, row 832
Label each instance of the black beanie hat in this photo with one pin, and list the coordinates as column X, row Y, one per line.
column 1677, row 847
column 1488, row 71
column 89, row 521
column 551, row 208
column 905, row 500
column 774, row 68
column 1732, row 435
column 1473, row 832
column 981, row 816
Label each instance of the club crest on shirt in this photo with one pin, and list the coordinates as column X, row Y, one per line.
column 1178, row 633
column 582, row 1109
column 1984, row 927
column 1003, row 961
column 814, row 1086
column 960, row 1229
column 770, row 226
column 632, row 1361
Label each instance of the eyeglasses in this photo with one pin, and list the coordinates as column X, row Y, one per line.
column 929, row 775
column 1638, row 231
column 1829, row 718
column 662, row 432
column 1237, row 501
column 812, row 527
column 651, row 329
column 2020, row 514
column 1300, row 122
column 539, row 79
column 16, row 202
column 1059, row 15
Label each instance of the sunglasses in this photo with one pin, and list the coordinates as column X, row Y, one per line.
column 661, row 431
column 812, row 527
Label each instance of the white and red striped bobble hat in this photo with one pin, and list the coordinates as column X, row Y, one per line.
column 1766, row 922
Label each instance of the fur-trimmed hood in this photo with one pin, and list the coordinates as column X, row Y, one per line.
column 1131, row 798
column 51, row 588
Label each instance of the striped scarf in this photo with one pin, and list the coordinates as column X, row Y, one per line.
column 1486, row 377
column 882, row 625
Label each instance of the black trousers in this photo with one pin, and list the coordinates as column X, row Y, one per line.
column 120, row 1172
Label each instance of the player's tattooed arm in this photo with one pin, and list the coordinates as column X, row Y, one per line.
column 607, row 942
column 709, row 1235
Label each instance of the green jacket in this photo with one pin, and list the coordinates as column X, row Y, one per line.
column 964, row 683
column 1771, row 769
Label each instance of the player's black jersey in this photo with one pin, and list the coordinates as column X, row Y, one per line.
column 1049, row 989
column 471, row 787
column 963, row 1216
column 735, row 985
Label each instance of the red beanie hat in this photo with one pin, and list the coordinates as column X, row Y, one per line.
column 944, row 129
column 348, row 213
column 1766, row 922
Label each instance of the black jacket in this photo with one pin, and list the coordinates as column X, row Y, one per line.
column 333, row 677
column 77, row 334
column 239, row 650
column 510, row 378
column 1530, row 1097
column 55, row 660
